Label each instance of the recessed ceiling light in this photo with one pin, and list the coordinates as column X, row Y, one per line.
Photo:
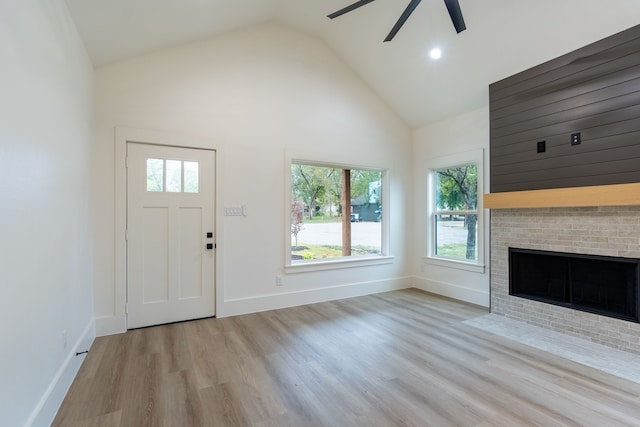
column 435, row 53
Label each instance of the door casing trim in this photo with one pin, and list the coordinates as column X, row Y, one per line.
column 117, row 323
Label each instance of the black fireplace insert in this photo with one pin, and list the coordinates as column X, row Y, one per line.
column 598, row 284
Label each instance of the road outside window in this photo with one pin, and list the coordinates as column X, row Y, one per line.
column 335, row 212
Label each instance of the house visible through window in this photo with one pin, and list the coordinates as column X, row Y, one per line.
column 335, row 212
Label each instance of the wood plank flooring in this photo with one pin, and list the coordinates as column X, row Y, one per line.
column 401, row 358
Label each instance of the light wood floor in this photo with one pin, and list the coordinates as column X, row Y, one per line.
column 396, row 359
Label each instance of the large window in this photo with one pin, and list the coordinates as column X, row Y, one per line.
column 455, row 215
column 336, row 213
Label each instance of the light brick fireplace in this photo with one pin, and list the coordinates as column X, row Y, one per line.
column 609, row 231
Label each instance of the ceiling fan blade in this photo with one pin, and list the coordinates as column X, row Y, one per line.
column 349, row 8
column 453, row 6
column 403, row 18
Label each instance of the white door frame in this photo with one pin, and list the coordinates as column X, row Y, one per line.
column 122, row 136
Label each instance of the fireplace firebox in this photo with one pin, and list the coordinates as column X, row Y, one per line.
column 602, row 285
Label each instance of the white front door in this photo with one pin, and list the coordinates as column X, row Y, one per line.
column 170, row 235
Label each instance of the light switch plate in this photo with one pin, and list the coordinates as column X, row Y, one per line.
column 233, row 210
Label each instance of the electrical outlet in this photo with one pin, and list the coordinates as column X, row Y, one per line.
column 576, row 138
column 64, row 339
column 278, row 280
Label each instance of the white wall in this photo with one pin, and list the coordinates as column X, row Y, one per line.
column 255, row 94
column 45, row 244
column 466, row 132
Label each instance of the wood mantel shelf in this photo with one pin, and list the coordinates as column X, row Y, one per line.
column 598, row 195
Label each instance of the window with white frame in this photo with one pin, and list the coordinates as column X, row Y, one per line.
column 455, row 209
column 172, row 176
column 336, row 212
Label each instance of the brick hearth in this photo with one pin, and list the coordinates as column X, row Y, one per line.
column 613, row 231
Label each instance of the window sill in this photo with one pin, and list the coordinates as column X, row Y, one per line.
column 450, row 263
column 333, row 264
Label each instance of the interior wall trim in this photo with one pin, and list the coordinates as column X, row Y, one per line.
column 47, row 408
column 597, row 195
column 458, row 291
column 254, row 304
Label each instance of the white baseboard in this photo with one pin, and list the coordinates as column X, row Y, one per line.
column 291, row 299
column 110, row 325
column 50, row 402
column 451, row 290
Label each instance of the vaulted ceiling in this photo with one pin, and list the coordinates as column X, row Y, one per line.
column 502, row 38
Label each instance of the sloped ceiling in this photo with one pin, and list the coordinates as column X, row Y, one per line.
column 502, row 38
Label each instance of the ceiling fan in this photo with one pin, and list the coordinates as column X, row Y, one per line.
column 452, row 6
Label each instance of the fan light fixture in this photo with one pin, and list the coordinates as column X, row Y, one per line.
column 453, row 7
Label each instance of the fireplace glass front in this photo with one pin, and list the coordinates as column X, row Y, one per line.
column 598, row 284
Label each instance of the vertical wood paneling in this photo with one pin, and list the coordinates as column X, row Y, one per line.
column 595, row 91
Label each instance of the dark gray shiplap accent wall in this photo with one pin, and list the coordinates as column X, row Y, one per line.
column 594, row 90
